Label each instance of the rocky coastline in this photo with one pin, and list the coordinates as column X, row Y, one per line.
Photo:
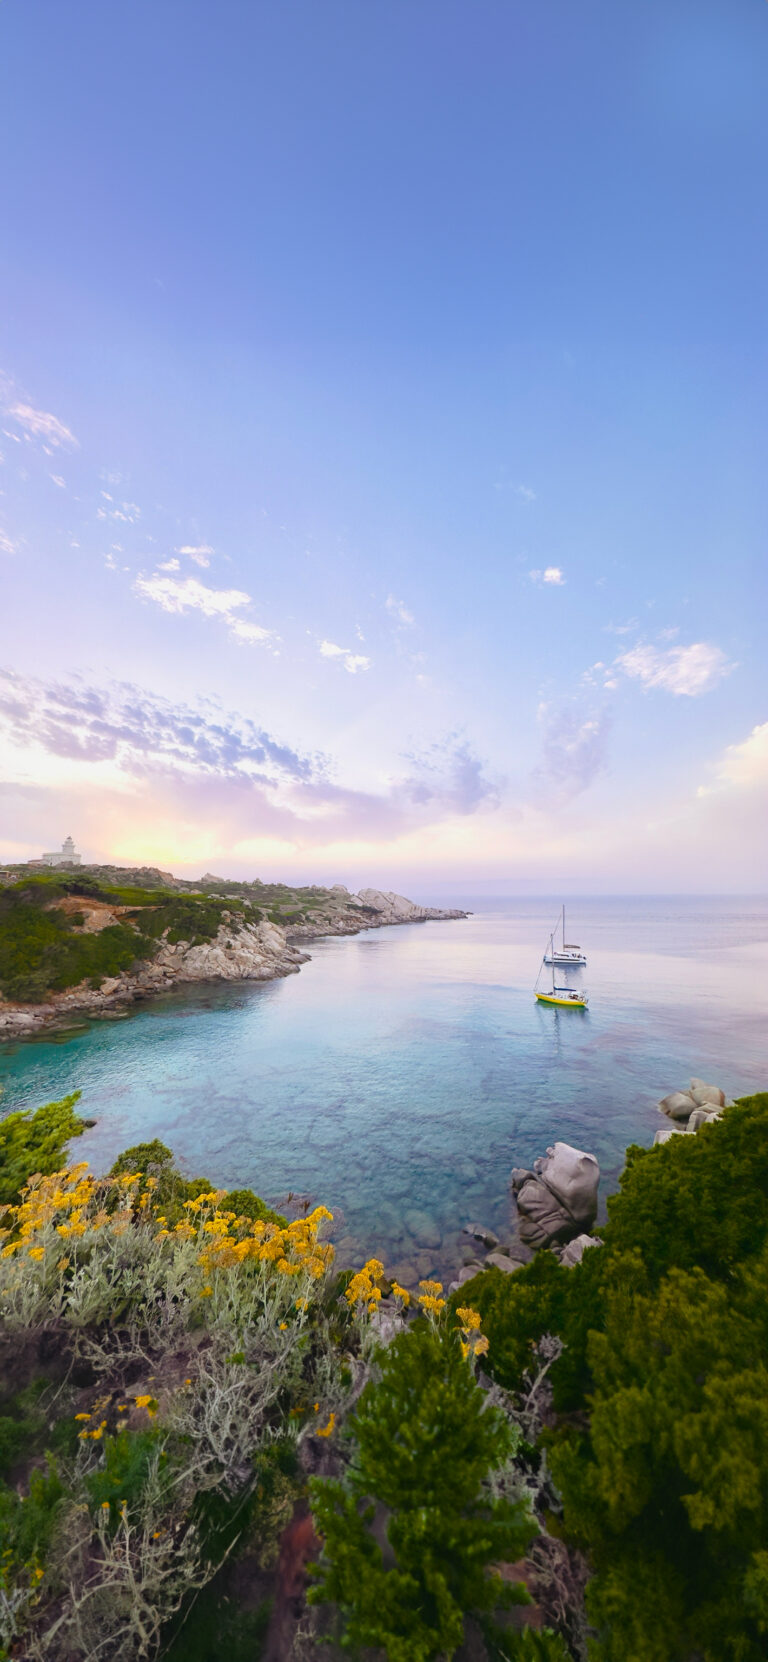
column 243, row 949
column 554, row 1204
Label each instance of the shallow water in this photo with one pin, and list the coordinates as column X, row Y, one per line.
column 403, row 1072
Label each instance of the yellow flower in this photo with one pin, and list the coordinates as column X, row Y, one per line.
column 37, row 1252
column 283, row 1326
column 432, row 1305
column 82, row 1416
column 148, row 1402
column 105, row 1506
column 431, row 1287
column 482, row 1345
column 401, row 1292
column 469, row 1318
column 325, row 1430
column 206, row 1292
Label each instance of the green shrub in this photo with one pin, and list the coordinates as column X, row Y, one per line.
column 40, row 950
column 27, row 1522
column 662, row 1461
column 128, row 1461
column 411, row 1533
column 35, row 1142
column 154, row 1159
column 248, row 1205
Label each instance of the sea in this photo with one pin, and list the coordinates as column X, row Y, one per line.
column 403, row 1073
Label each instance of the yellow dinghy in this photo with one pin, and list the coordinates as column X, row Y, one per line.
column 566, row 998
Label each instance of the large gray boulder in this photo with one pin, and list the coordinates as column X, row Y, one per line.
column 703, row 1116
column 707, row 1095
column 679, row 1105
column 573, row 1177
column 558, row 1199
column 574, row 1251
column 668, row 1131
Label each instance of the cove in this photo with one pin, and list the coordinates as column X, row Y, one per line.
column 402, row 1073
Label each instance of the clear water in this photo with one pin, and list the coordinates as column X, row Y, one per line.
column 402, row 1073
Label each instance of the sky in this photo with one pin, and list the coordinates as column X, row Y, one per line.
column 383, row 426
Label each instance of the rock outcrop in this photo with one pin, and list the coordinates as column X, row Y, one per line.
column 370, row 909
column 241, row 951
column 557, row 1200
column 690, row 1109
column 250, row 952
column 395, row 908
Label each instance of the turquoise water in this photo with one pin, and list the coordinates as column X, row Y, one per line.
column 402, row 1073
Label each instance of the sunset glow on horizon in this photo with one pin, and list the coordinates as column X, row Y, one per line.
column 381, row 497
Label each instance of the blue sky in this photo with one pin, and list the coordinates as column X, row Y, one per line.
column 383, row 411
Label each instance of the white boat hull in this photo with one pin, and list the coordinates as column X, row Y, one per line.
column 567, row 960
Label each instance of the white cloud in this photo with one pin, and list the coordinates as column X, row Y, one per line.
column 551, row 574
column 199, row 553
column 399, row 610
column 250, row 633
column 128, row 512
column 742, row 766
column 352, row 661
column 57, row 480
column 525, row 493
column 185, row 594
column 188, row 594
column 170, row 565
column 40, row 425
column 6, row 546
column 685, row 671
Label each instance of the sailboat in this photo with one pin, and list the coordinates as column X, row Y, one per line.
column 568, row 955
column 569, row 998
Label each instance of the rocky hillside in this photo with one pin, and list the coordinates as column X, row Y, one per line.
column 73, row 942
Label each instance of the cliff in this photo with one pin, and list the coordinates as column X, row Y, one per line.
column 74, row 945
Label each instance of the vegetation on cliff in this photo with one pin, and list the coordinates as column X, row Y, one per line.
column 660, row 1446
column 46, row 947
column 167, row 1360
column 185, row 1374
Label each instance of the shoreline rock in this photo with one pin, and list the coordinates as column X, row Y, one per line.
column 690, row 1109
column 240, row 951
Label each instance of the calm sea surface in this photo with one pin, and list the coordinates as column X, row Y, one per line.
column 402, row 1073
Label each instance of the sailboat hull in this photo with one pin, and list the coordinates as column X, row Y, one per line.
column 579, row 1003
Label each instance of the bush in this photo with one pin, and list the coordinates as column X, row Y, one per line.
column 662, row 1462
column 40, row 951
column 35, row 1143
column 171, row 1191
column 410, row 1535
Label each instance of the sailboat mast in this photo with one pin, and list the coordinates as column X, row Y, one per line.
column 552, row 955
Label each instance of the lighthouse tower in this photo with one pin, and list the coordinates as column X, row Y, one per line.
column 67, row 855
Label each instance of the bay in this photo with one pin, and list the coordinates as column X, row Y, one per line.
column 403, row 1072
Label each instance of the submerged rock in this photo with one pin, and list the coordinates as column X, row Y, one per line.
column 479, row 1232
